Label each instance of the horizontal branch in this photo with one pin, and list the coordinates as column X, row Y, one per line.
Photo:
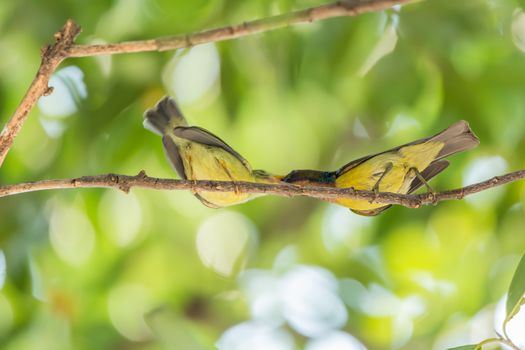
column 336, row 9
column 126, row 182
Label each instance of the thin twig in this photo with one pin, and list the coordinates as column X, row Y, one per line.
column 65, row 47
column 336, row 9
column 126, row 182
column 507, row 342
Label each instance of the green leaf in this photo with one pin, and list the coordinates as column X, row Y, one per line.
column 465, row 347
column 516, row 290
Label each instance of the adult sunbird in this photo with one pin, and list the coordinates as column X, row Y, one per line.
column 197, row 154
column 402, row 169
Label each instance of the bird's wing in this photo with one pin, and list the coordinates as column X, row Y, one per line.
column 371, row 212
column 172, row 152
column 356, row 162
column 203, row 136
column 456, row 138
column 432, row 170
column 206, row 202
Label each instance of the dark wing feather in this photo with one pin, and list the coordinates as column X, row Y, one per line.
column 206, row 202
column 172, row 152
column 372, row 212
column 203, row 136
column 432, row 170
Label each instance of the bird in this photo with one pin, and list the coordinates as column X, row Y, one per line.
column 197, row 154
column 402, row 169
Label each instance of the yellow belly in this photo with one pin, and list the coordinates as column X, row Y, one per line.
column 203, row 162
column 397, row 180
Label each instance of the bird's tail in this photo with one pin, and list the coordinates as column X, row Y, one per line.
column 163, row 116
column 457, row 138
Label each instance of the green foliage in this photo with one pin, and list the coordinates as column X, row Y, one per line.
column 516, row 293
column 515, row 299
column 98, row 269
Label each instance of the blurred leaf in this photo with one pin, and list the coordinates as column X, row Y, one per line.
column 465, row 347
column 174, row 331
column 516, row 290
column 291, row 98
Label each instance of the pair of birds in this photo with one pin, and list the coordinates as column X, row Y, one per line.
column 197, row 154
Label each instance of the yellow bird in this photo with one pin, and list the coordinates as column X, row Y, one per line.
column 197, row 154
column 403, row 169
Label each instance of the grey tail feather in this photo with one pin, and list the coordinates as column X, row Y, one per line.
column 457, row 138
column 165, row 114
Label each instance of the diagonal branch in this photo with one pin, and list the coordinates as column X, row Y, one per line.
column 65, row 47
column 52, row 55
column 336, row 9
column 126, row 182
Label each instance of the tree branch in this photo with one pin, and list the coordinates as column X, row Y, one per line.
column 336, row 9
column 52, row 56
column 126, row 182
column 65, row 47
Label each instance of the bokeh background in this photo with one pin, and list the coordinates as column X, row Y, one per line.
column 99, row 269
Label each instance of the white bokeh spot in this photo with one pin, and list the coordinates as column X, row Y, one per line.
column 71, row 233
column 386, row 44
column 3, row 268
column 515, row 327
column 518, row 29
column 336, row 340
column 260, row 287
column 120, row 215
column 341, row 227
column 378, row 301
column 127, row 305
column 255, row 336
column 68, row 88
column 311, row 304
column 482, row 169
column 193, row 72
column 225, row 241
